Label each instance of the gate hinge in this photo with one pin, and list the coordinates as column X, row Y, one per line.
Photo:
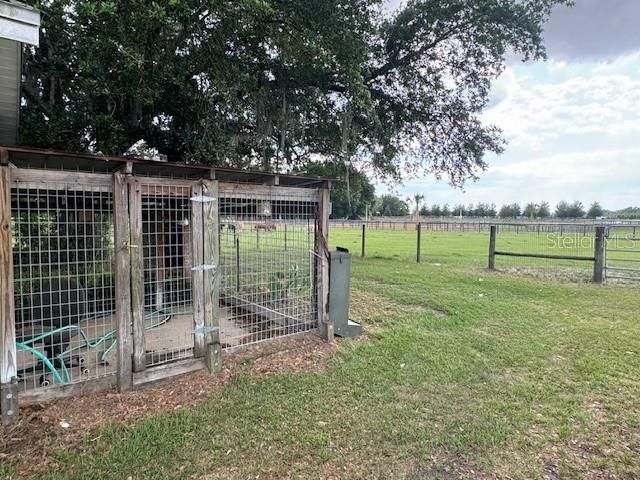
column 203, row 268
column 203, row 199
column 204, row 330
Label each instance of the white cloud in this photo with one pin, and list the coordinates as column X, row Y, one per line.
column 573, row 135
column 592, row 103
column 576, row 168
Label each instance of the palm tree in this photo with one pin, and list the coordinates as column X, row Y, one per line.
column 417, row 200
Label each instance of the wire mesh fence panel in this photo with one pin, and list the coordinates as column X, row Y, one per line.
column 167, row 244
column 63, row 249
column 268, row 267
column 622, row 257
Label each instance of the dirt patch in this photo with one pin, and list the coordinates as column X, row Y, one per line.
column 374, row 309
column 43, row 429
column 561, row 274
column 312, row 355
column 611, row 453
column 445, row 467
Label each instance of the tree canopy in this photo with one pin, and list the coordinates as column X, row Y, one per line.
column 276, row 84
column 595, row 210
column 348, row 198
column 510, row 211
column 391, row 206
column 570, row 210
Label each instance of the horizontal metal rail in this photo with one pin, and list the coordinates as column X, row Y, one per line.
column 623, row 250
column 542, row 255
column 624, row 260
column 623, row 277
column 624, row 269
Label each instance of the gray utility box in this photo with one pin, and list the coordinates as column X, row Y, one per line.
column 339, row 286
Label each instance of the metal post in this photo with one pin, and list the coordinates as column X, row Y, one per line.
column 599, row 264
column 237, row 265
column 419, row 231
column 285, row 237
column 492, row 247
column 364, row 228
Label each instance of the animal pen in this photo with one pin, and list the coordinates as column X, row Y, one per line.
column 122, row 271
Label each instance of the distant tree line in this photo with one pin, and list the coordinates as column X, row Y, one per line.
column 353, row 196
column 390, row 205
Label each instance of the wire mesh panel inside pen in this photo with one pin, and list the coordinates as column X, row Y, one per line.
column 268, row 267
column 167, row 245
column 63, row 249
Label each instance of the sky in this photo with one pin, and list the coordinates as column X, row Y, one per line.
column 572, row 123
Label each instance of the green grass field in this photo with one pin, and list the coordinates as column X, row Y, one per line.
column 471, row 249
column 463, row 374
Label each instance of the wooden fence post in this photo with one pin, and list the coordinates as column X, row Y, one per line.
column 137, row 274
column 325, row 325
column 599, row 263
column 492, row 247
column 8, row 360
column 197, row 276
column 212, row 274
column 364, row 229
column 418, row 235
column 123, row 279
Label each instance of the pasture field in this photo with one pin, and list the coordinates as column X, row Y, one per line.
column 471, row 249
column 463, row 373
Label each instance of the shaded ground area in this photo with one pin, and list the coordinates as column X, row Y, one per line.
column 43, row 429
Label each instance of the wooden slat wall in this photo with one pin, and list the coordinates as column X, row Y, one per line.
column 273, row 192
column 9, row 91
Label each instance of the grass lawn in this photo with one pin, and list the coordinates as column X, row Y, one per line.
column 464, row 374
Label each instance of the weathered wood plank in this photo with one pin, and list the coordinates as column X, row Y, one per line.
column 599, row 255
column 182, row 190
column 148, row 183
column 137, row 274
column 273, row 192
column 197, row 276
column 166, row 371
column 492, row 247
column 325, row 326
column 8, row 361
column 544, row 255
column 44, row 395
column 28, row 178
column 122, row 279
column 212, row 276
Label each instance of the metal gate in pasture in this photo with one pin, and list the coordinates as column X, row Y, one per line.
column 622, row 254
